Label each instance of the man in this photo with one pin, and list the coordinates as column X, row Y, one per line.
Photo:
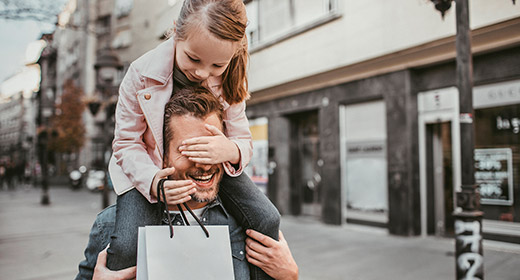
column 194, row 113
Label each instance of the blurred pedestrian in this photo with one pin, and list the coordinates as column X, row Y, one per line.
column 9, row 175
column 27, row 174
column 2, row 176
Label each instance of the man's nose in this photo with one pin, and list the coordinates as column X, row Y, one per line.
column 203, row 166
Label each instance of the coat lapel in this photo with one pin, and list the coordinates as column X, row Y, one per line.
column 152, row 101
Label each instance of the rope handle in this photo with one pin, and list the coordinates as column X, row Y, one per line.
column 160, row 188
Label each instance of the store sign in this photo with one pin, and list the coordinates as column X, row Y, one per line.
column 494, row 175
column 366, row 149
column 512, row 124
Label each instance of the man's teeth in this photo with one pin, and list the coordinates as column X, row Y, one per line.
column 203, row 177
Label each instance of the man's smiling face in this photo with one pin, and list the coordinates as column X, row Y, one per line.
column 206, row 176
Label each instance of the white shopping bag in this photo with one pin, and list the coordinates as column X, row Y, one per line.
column 189, row 254
column 186, row 252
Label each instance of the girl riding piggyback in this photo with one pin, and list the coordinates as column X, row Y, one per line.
column 208, row 48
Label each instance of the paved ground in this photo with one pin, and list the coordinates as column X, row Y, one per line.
column 47, row 242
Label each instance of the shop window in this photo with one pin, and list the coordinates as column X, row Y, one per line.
column 364, row 163
column 257, row 169
column 497, row 150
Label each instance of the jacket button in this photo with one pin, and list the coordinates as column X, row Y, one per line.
column 147, row 96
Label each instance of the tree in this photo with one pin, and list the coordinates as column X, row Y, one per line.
column 69, row 136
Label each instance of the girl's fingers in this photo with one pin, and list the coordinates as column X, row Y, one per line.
column 165, row 172
column 175, row 184
column 173, row 201
column 194, row 147
column 203, row 160
column 179, row 189
column 197, row 154
column 214, row 130
column 196, row 140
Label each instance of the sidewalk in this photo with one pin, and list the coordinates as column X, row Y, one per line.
column 47, row 242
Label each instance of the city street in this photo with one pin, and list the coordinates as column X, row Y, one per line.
column 47, row 242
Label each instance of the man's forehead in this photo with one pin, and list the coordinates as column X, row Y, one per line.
column 189, row 126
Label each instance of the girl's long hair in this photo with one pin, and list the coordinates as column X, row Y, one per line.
column 226, row 19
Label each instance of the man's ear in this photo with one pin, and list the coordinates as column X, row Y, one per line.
column 165, row 161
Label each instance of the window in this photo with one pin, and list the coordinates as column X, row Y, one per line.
column 123, row 8
column 273, row 20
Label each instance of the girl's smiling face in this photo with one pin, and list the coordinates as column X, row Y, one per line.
column 203, row 55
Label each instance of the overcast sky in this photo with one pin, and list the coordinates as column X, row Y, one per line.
column 16, row 35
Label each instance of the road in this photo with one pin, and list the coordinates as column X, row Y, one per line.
column 47, row 242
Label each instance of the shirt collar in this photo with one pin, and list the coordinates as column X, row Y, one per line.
column 217, row 203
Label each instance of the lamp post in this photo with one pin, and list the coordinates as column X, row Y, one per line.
column 468, row 218
column 107, row 67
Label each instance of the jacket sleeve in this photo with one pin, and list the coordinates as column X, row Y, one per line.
column 237, row 130
column 128, row 145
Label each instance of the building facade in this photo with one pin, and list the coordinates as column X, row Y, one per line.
column 18, row 109
column 361, row 111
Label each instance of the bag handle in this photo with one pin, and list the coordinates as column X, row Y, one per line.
column 160, row 188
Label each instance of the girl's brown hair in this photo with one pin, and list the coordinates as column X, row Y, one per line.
column 227, row 20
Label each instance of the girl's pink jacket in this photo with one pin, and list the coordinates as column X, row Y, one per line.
column 138, row 136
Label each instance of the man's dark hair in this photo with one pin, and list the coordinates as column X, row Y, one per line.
column 198, row 102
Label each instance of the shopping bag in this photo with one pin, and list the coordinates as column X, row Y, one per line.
column 188, row 255
column 186, row 252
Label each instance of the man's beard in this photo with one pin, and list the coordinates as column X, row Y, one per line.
column 205, row 195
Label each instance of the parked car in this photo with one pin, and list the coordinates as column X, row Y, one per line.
column 75, row 178
column 95, row 180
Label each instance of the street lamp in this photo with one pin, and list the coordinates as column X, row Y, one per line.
column 107, row 67
column 467, row 216
column 442, row 5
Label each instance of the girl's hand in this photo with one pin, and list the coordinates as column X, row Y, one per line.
column 273, row 257
column 176, row 191
column 211, row 149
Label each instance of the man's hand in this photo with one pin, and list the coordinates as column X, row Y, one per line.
column 176, row 191
column 211, row 149
column 273, row 257
column 101, row 272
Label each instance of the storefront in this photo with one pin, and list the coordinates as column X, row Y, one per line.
column 497, row 156
column 385, row 150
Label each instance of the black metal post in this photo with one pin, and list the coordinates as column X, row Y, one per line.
column 105, row 138
column 42, row 139
column 468, row 219
column 42, row 147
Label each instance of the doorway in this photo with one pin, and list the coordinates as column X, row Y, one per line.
column 439, row 161
column 439, row 158
column 305, row 158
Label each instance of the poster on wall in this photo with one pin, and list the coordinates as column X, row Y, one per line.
column 494, row 175
column 257, row 168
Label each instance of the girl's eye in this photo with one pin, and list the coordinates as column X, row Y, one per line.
column 193, row 59
column 218, row 66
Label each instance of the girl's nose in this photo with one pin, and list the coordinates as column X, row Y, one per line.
column 201, row 74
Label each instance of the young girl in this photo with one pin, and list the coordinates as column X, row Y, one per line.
column 209, row 47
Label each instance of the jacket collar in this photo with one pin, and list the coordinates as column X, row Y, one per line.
column 160, row 64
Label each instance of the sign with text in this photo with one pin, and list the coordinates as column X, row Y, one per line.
column 494, row 175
